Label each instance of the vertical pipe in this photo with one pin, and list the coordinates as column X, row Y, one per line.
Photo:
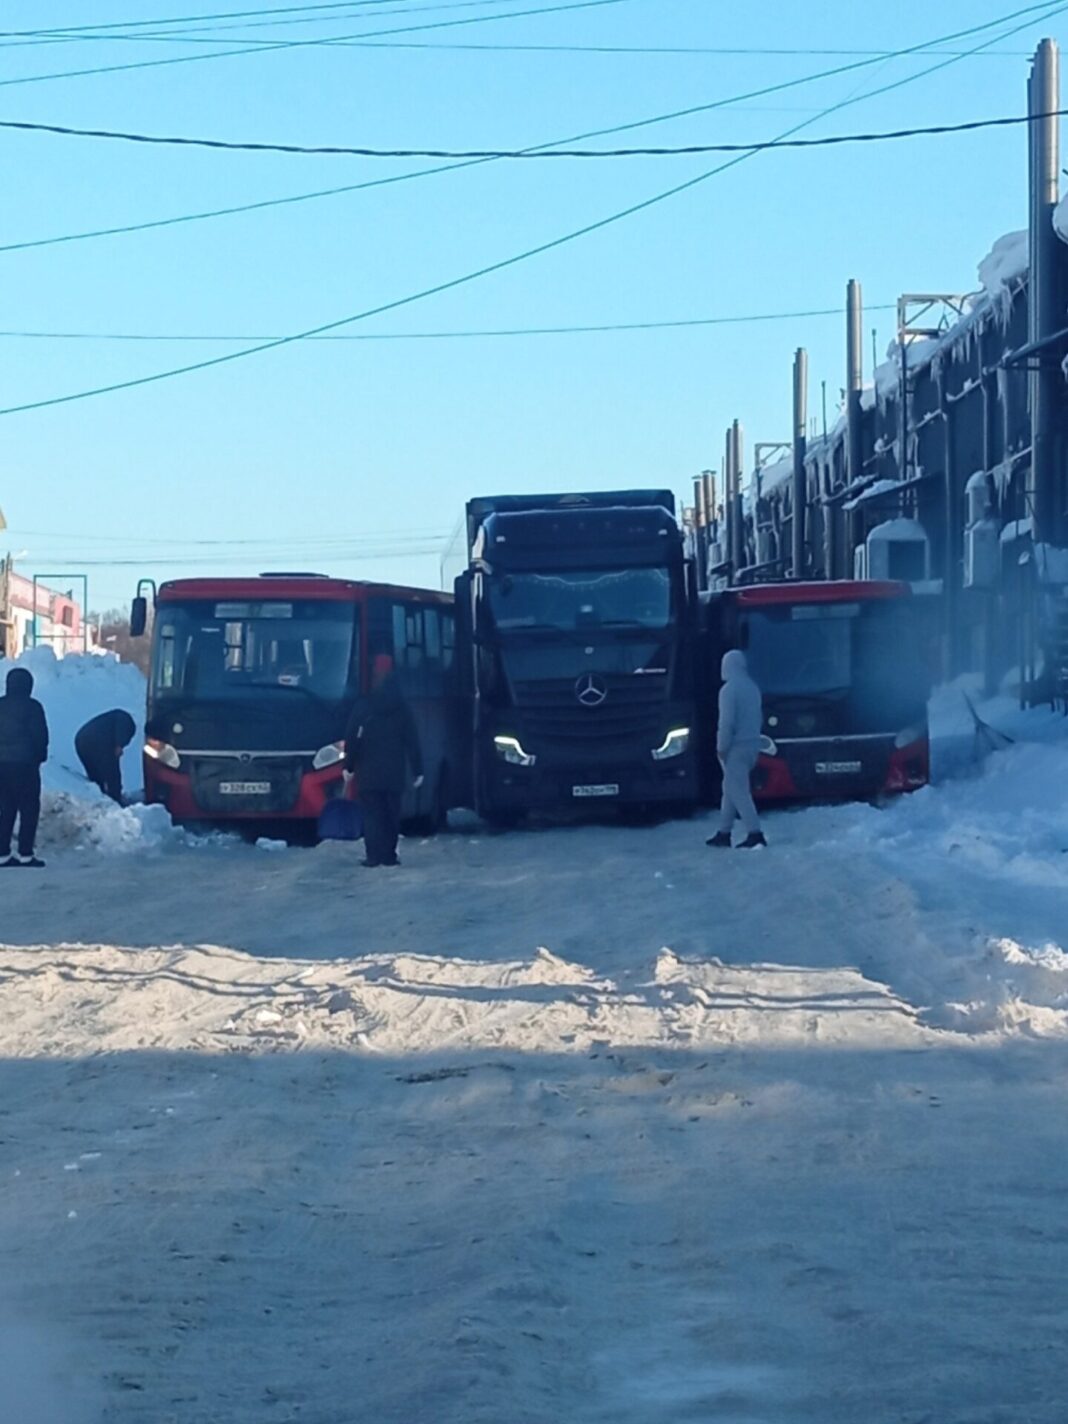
column 738, row 531
column 728, row 505
column 854, row 382
column 709, row 481
column 1043, row 305
column 800, row 446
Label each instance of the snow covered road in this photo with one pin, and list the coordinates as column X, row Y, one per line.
column 587, row 1123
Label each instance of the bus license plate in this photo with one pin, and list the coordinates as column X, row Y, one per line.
column 837, row 768
column 245, row 788
column 604, row 789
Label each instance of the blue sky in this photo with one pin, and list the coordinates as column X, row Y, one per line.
column 296, row 457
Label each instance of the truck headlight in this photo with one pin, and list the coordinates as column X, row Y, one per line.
column 510, row 749
column 329, row 755
column 768, row 747
column 673, row 745
column 911, row 734
column 163, row 752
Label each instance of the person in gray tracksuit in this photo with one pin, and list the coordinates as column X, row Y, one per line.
column 741, row 722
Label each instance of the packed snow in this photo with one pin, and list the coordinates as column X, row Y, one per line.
column 583, row 1122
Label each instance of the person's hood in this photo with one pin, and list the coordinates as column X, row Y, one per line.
column 733, row 665
column 387, row 695
column 126, row 727
column 19, row 683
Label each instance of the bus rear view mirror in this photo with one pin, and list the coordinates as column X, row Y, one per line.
column 138, row 617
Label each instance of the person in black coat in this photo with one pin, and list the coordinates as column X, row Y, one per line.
column 23, row 751
column 381, row 749
column 100, row 745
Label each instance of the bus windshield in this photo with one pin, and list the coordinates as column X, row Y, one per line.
column 581, row 600
column 236, row 648
column 870, row 651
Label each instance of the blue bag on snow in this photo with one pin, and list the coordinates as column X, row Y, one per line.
column 341, row 820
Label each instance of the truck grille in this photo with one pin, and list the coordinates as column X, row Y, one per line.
column 550, row 714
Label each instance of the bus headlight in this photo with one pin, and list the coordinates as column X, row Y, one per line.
column 910, row 735
column 510, row 749
column 163, row 752
column 768, row 747
column 673, row 745
column 329, row 755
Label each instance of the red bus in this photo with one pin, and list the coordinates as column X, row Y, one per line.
column 252, row 682
column 845, row 671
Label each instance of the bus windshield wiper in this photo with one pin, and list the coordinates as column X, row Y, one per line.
column 290, row 687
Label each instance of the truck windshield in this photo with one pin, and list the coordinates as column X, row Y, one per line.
column 231, row 649
column 575, row 600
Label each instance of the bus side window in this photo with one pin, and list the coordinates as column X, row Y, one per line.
column 448, row 638
column 165, row 673
column 432, row 652
column 408, row 648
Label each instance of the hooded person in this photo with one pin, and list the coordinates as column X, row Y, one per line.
column 741, row 722
column 382, row 751
column 100, row 745
column 23, row 751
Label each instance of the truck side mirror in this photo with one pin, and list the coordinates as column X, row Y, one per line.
column 138, row 617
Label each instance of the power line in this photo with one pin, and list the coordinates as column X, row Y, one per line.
column 829, row 141
column 682, row 323
column 234, row 210
column 270, row 46
column 194, row 19
column 193, row 34
column 517, row 258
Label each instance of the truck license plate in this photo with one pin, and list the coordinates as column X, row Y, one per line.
column 245, row 788
column 603, row 789
column 837, row 768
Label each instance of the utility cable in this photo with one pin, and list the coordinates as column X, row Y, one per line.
column 684, row 150
column 194, row 19
column 234, row 210
column 271, row 46
column 489, row 332
column 195, row 34
column 451, row 284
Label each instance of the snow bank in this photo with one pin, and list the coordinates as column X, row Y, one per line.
column 984, row 854
column 72, row 690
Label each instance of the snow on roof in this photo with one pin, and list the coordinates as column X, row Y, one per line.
column 780, row 473
column 999, row 273
column 880, row 487
column 898, row 530
column 1017, row 529
column 1004, row 264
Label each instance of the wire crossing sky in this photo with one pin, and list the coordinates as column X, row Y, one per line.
column 375, row 431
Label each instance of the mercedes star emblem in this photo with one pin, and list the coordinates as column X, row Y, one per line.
column 590, row 690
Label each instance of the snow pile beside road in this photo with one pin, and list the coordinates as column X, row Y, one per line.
column 986, row 856
column 73, row 689
column 75, row 814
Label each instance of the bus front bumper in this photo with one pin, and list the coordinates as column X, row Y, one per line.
column 841, row 768
column 175, row 790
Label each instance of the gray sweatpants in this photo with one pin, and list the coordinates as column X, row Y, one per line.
column 737, row 801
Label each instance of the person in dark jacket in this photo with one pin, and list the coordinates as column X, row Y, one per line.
column 382, row 750
column 23, row 751
column 100, row 745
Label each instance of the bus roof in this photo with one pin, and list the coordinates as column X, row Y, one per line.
column 311, row 587
column 841, row 591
